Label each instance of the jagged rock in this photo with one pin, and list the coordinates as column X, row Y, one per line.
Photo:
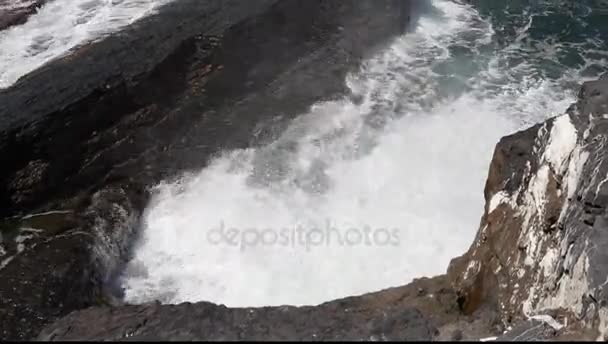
column 542, row 245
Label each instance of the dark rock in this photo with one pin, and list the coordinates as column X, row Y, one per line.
column 17, row 12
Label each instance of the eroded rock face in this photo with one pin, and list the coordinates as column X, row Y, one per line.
column 542, row 246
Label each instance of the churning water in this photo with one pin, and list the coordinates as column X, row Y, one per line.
column 380, row 187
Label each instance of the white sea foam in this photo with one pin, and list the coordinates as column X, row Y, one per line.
column 407, row 159
column 59, row 26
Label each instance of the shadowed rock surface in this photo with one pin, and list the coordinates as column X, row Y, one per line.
column 85, row 135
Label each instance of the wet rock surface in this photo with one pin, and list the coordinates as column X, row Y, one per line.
column 88, row 133
column 16, row 12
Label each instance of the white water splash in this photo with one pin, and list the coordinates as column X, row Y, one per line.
column 402, row 163
column 6, row 5
column 61, row 25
